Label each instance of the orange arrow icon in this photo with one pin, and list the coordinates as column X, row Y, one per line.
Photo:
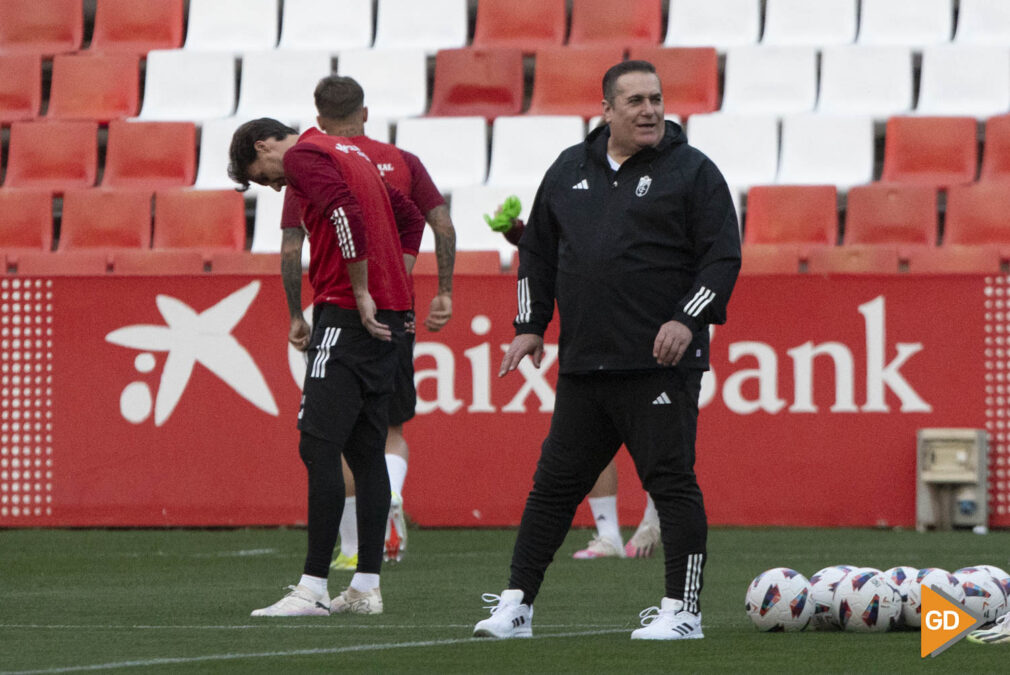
column 944, row 621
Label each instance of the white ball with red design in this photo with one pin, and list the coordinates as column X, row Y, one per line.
column 911, row 611
column 983, row 594
column 1002, row 578
column 779, row 600
column 865, row 601
column 822, row 590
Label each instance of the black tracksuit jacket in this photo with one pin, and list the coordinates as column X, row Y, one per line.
column 622, row 253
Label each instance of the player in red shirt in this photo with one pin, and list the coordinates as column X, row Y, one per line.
column 340, row 104
column 362, row 296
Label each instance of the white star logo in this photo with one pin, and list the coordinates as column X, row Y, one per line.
column 191, row 338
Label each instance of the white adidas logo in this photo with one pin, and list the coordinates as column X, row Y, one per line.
column 662, row 399
column 581, row 185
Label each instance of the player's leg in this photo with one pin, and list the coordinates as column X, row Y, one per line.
column 347, row 558
column 645, row 539
column 401, row 409
column 603, row 503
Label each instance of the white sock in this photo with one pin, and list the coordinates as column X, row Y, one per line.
column 349, row 528
column 605, row 514
column 650, row 515
column 397, row 468
column 315, row 584
column 364, row 582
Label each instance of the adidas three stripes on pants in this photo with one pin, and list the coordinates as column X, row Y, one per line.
column 654, row 413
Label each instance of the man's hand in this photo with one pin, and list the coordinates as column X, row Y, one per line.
column 439, row 313
column 366, row 310
column 671, row 343
column 299, row 334
column 523, row 344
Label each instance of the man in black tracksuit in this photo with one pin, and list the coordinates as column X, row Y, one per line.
column 634, row 235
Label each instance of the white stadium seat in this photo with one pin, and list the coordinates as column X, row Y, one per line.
column 453, row 149
column 181, row 84
column 858, row 80
column 232, row 25
column 430, row 25
column 983, row 22
column 524, row 146
column 331, row 25
column 215, row 140
column 911, row 23
column 395, row 80
column 964, row 80
column 810, row 22
column 778, row 80
column 467, row 207
column 744, row 147
column 822, row 149
column 279, row 83
column 713, row 23
column 267, row 234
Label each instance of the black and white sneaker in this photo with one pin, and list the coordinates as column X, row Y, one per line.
column 509, row 617
column 669, row 621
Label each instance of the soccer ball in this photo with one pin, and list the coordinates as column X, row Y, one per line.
column 822, row 590
column 1001, row 577
column 911, row 610
column 866, row 602
column 983, row 596
column 779, row 600
column 901, row 576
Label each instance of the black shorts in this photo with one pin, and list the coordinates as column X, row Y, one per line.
column 404, row 398
column 349, row 372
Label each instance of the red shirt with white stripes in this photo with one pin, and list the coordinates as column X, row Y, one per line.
column 336, row 186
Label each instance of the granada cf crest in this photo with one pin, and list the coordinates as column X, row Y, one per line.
column 643, row 186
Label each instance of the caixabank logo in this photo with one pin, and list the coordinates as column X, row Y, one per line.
column 944, row 621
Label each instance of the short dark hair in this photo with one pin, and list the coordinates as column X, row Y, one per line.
column 338, row 96
column 623, row 68
column 242, row 152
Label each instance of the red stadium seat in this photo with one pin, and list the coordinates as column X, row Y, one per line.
column 106, row 219
column 26, row 219
column 98, row 87
column 690, row 77
column 150, row 155
column 891, row 214
column 208, row 220
column 137, row 27
column 996, row 155
column 52, row 155
column 792, row 214
column 485, row 82
column 954, row 259
column 62, row 263
column 597, row 23
column 853, row 259
column 467, row 263
column 567, row 80
column 933, row 151
column 43, row 27
column 157, row 263
column 772, row 259
column 521, row 24
column 245, row 262
column 20, row 87
column 977, row 215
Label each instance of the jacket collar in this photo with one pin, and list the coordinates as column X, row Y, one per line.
column 596, row 143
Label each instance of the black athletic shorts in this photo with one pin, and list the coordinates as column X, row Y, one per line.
column 404, row 398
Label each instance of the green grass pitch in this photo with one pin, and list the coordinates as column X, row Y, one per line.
column 170, row 601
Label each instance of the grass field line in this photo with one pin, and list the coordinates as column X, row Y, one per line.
column 272, row 626
column 170, row 661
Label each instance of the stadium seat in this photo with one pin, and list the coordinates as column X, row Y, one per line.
column 976, row 215
column 905, row 215
column 106, row 219
column 485, row 82
column 232, row 25
column 467, row 208
column 45, row 27
column 744, row 147
column 713, row 23
column 953, row 259
column 94, row 86
column 55, row 156
column 267, row 233
column 329, row 25
column 78, row 262
column 279, row 83
column 186, row 85
column 520, row 24
column 689, row 75
column 853, row 260
column 964, row 80
column 911, row 23
column 26, row 220
column 467, row 263
column 600, row 23
column 983, row 22
column 245, row 262
column 813, row 24
column 20, row 87
column 996, row 153
column 524, row 146
column 772, row 80
column 771, row 259
column 429, row 25
column 934, row 151
column 207, row 220
column 150, row 155
column 453, row 149
column 566, row 80
column 137, row 27
column 826, row 149
column 215, row 140
column 395, row 80
column 857, row 80
column 156, row 263
column 792, row 214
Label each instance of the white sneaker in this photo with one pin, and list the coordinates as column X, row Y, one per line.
column 644, row 541
column 509, row 617
column 300, row 601
column 396, row 531
column 357, row 602
column 669, row 622
column 999, row 632
column 600, row 548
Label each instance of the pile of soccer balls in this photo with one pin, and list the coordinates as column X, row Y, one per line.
column 866, row 600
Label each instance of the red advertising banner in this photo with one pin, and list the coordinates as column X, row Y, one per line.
column 173, row 401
